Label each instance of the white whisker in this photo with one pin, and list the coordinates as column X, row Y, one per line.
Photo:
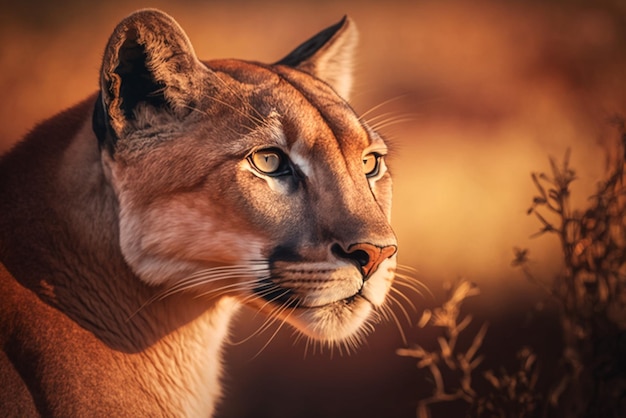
column 381, row 104
column 409, row 301
column 271, row 318
column 396, row 320
column 394, row 121
column 224, row 289
column 283, row 321
column 203, row 278
column 408, row 284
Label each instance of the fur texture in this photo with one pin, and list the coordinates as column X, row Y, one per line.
column 134, row 224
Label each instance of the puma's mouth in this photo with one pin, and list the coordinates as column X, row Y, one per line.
column 331, row 321
column 334, row 321
column 345, row 301
column 288, row 298
column 327, row 302
column 309, row 285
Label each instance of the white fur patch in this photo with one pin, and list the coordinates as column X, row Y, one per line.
column 298, row 157
column 375, row 289
column 270, row 135
column 171, row 241
column 333, row 323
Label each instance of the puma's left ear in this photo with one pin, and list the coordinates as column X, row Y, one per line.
column 150, row 78
column 328, row 56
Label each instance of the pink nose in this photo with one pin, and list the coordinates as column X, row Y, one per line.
column 368, row 256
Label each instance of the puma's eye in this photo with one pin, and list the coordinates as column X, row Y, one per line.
column 270, row 161
column 371, row 164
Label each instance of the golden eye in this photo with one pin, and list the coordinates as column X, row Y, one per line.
column 270, row 161
column 371, row 164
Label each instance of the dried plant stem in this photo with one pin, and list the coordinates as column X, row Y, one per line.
column 448, row 356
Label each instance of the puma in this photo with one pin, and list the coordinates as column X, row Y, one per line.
column 135, row 224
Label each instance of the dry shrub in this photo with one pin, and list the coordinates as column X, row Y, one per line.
column 590, row 293
column 449, row 359
column 591, row 290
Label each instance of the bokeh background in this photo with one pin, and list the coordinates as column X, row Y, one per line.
column 477, row 95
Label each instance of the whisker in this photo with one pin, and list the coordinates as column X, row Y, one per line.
column 396, row 320
column 269, row 321
column 409, row 280
column 407, row 268
column 388, row 116
column 217, row 273
column 404, row 283
column 416, row 285
column 381, row 104
column 383, row 311
column 376, row 317
column 270, row 318
column 385, row 115
column 199, row 282
column 231, row 129
column 268, row 289
column 223, row 289
column 201, row 277
column 243, row 101
column 396, row 121
column 283, row 321
column 409, row 301
column 257, row 120
column 310, row 342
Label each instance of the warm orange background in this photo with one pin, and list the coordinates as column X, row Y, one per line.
column 488, row 89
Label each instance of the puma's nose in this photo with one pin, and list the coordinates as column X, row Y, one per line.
column 367, row 256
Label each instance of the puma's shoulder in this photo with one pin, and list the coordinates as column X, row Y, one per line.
column 14, row 397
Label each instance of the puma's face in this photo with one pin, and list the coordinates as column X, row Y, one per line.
column 256, row 181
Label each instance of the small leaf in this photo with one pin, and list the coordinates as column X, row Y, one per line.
column 538, row 185
column 530, row 361
column 464, row 323
column 542, row 219
column 491, row 378
column 555, row 169
column 415, row 352
column 425, row 362
column 426, row 315
column 521, row 256
column 446, row 351
column 478, row 341
column 423, row 411
column 476, row 362
column 568, row 153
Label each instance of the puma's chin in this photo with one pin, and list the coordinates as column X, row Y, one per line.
column 332, row 322
column 322, row 312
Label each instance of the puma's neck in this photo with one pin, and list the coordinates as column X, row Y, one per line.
column 172, row 344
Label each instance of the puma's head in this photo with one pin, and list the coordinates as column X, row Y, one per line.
column 245, row 179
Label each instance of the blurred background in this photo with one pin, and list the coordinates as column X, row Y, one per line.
column 477, row 95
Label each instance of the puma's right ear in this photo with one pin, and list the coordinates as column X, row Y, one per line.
column 328, row 56
column 150, row 76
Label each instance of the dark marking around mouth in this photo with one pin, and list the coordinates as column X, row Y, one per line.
column 268, row 290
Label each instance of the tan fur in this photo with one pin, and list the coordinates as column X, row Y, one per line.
column 127, row 246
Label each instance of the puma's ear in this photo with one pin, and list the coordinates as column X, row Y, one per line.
column 150, row 77
column 328, row 56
